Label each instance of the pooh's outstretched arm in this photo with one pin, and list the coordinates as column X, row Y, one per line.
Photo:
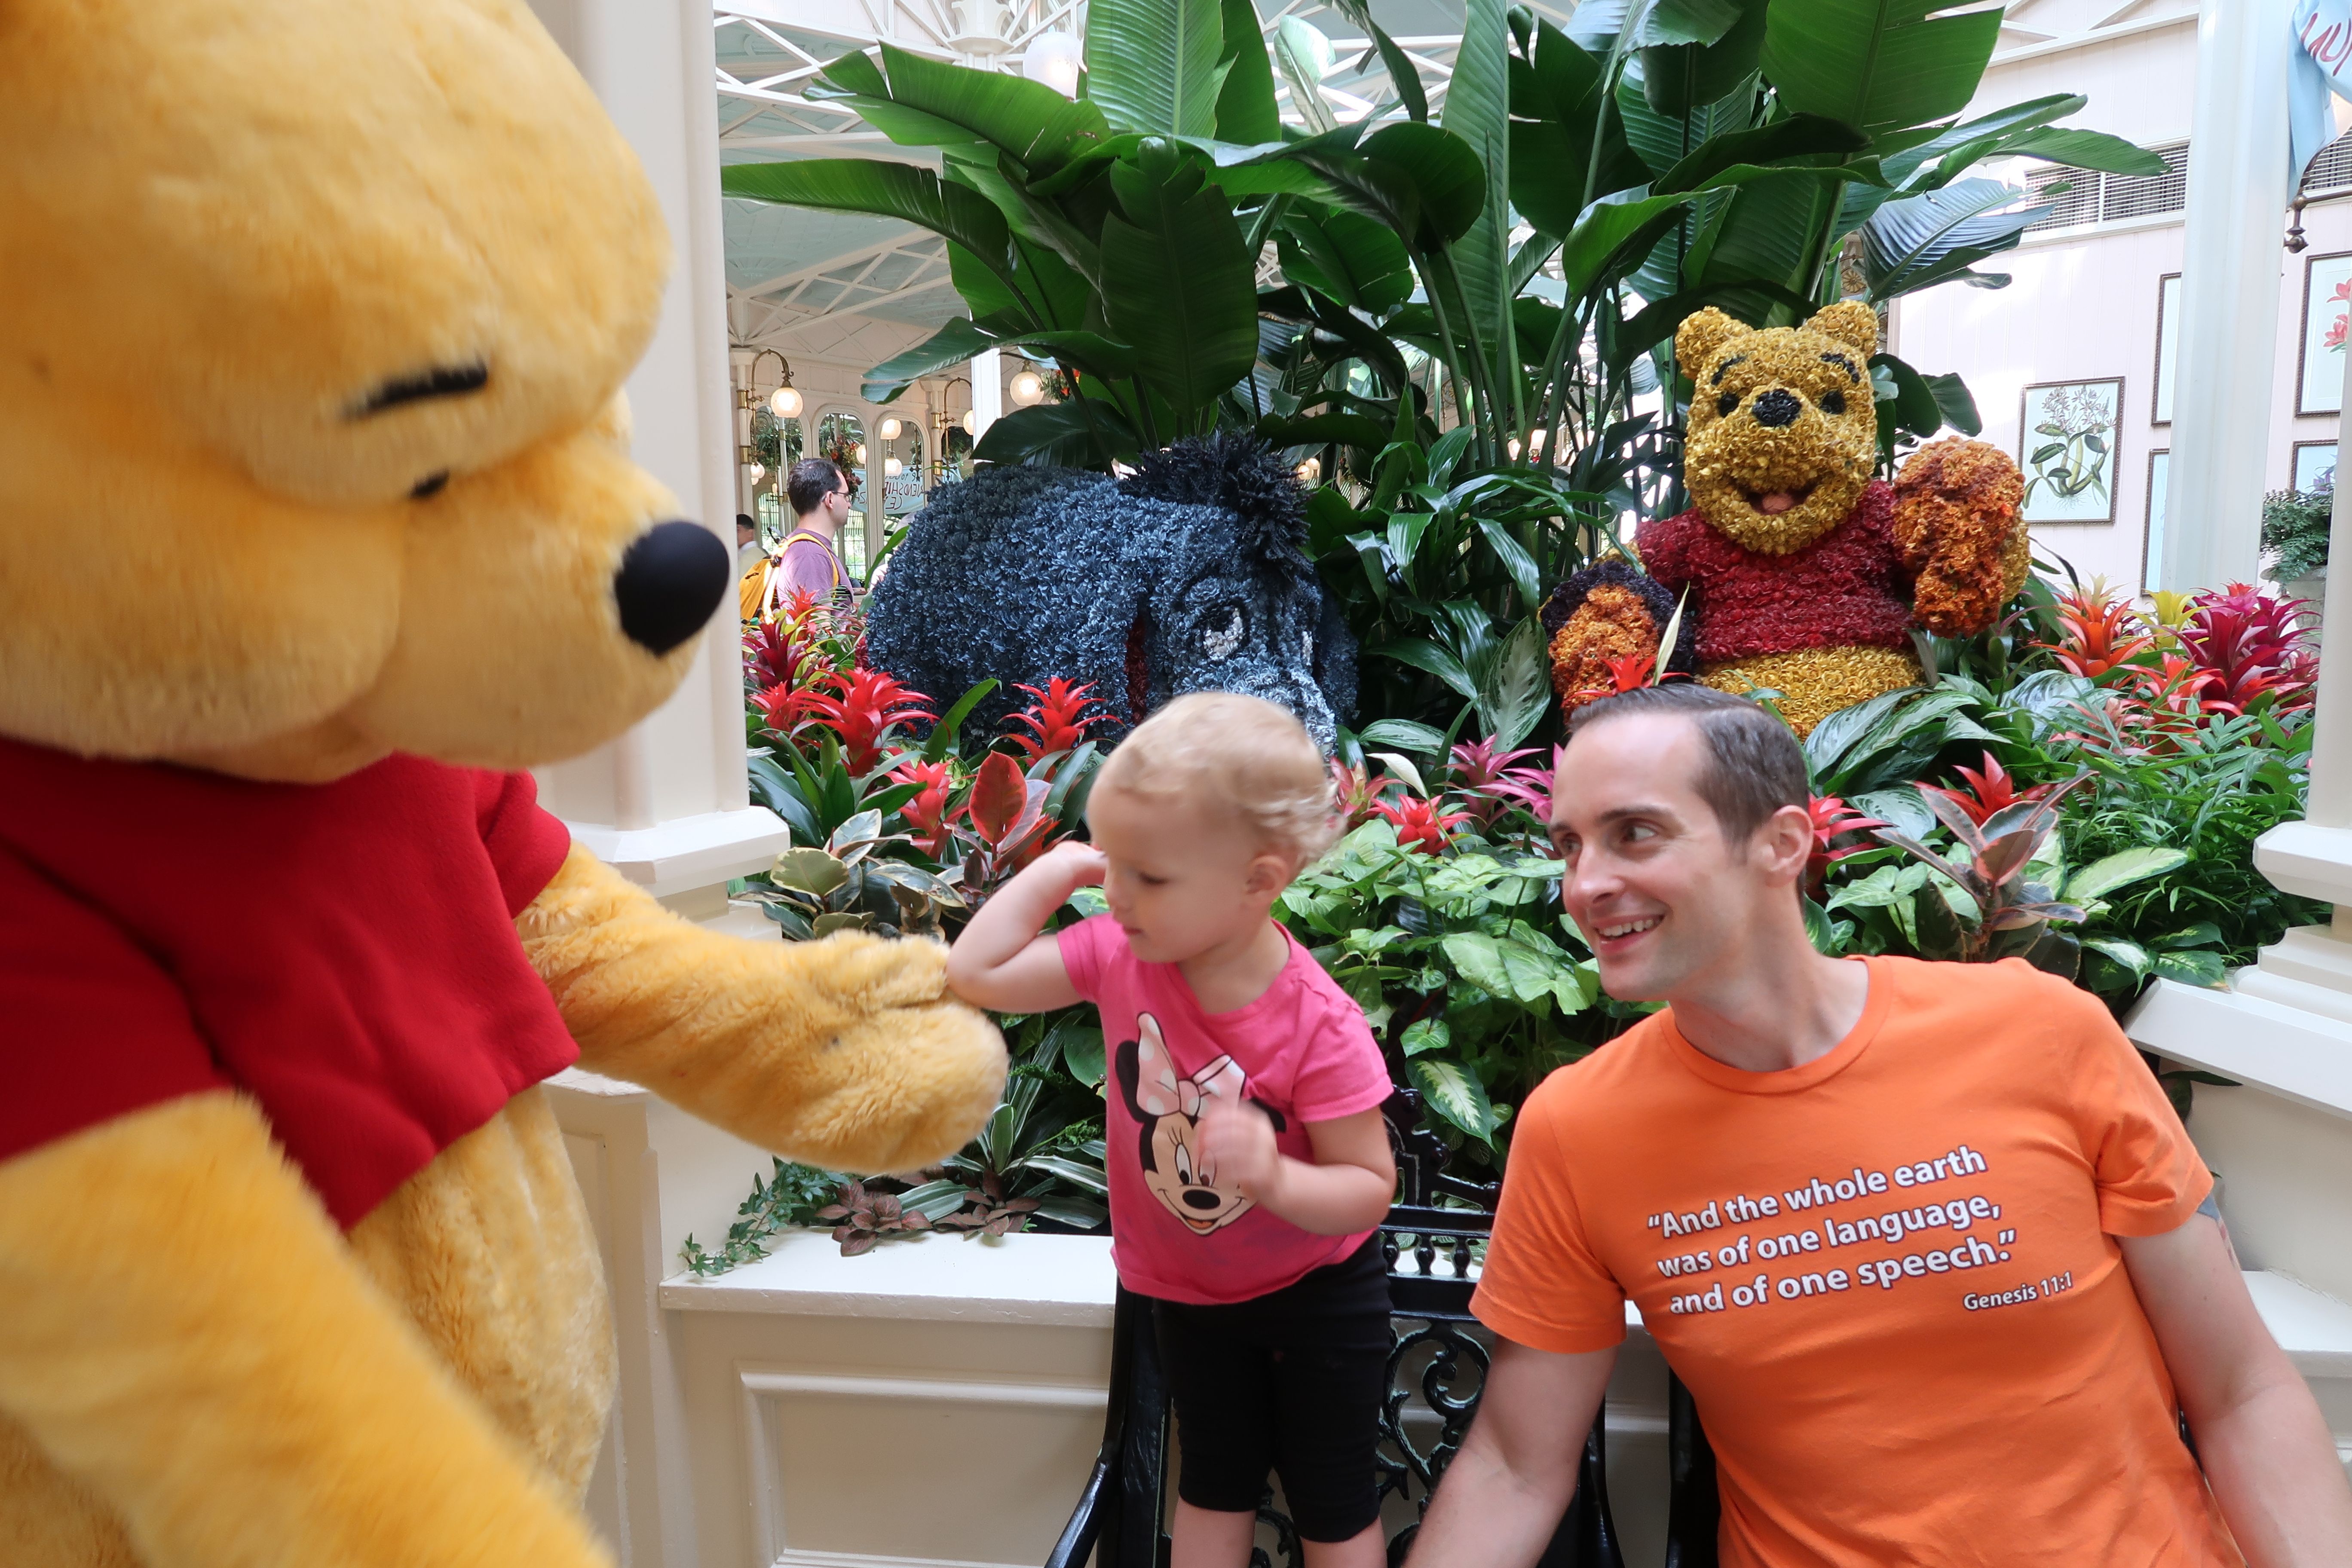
column 846, row 1052
column 183, row 1330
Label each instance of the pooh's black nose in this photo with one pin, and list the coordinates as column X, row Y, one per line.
column 1777, row 407
column 672, row 578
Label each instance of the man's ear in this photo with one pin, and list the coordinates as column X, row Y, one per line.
column 1783, row 842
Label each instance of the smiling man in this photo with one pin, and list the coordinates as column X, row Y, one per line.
column 1925, row 1241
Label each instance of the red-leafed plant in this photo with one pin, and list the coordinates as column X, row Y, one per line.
column 862, row 707
column 1003, row 826
column 1420, row 826
column 783, row 707
column 2252, row 644
column 2097, row 630
column 927, row 813
column 1832, row 819
column 1985, row 792
column 1058, row 720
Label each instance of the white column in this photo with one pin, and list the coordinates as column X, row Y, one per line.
column 2230, row 276
column 667, row 804
column 987, row 390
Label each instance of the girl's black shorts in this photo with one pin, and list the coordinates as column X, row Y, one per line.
column 1289, row 1381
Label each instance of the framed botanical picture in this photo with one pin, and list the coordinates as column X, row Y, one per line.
column 2068, row 445
column 2151, row 558
column 2319, row 360
column 2168, row 346
column 2315, row 465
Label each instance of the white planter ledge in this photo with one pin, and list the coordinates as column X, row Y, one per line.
column 2293, row 1052
column 1063, row 1281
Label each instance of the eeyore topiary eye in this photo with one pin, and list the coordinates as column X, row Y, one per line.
column 1189, row 574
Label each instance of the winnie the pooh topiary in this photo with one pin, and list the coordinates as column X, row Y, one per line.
column 1799, row 571
column 315, row 518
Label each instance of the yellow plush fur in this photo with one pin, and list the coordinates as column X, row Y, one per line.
column 226, row 226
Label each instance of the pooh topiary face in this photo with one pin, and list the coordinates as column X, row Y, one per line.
column 1783, row 431
column 311, row 445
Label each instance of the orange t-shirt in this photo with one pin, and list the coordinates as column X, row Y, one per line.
column 1888, row 1277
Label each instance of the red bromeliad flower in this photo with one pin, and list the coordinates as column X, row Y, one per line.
column 1987, row 791
column 1353, row 791
column 1629, row 672
column 1529, row 788
column 785, row 708
column 862, row 706
column 1477, row 771
column 927, row 814
column 2252, row 645
column 1420, row 826
column 1832, row 818
column 2097, row 631
column 1058, row 720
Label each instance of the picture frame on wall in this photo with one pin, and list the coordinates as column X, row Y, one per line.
column 2069, row 442
column 2167, row 347
column 2314, row 467
column 2319, row 351
column 2151, row 549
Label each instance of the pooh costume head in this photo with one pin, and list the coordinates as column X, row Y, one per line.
column 316, row 512
column 1796, row 571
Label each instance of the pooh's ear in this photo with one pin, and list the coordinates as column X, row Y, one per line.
column 1701, row 334
column 1852, row 322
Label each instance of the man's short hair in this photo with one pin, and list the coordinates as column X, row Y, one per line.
column 1754, row 765
column 811, row 480
column 745, row 519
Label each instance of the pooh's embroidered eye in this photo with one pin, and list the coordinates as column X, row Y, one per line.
column 430, row 486
column 1833, row 402
column 441, row 381
column 1726, row 404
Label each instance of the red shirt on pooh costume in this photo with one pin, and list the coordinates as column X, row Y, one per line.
column 1845, row 589
column 345, row 953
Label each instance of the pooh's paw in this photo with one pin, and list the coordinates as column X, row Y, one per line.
column 871, row 974
column 902, row 1088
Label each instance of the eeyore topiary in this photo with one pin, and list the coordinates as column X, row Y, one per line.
column 1189, row 574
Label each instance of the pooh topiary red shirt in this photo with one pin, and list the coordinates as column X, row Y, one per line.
column 1845, row 589
column 344, row 953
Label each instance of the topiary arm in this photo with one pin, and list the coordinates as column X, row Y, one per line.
column 1957, row 530
column 846, row 1052
column 183, row 1333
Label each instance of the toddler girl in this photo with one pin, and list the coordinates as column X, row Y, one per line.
column 1248, row 1163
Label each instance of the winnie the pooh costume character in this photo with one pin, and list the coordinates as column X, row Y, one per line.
column 326, row 308
column 1797, row 570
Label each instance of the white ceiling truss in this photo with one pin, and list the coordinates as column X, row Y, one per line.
column 769, row 50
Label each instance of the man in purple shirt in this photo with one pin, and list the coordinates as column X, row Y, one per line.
column 819, row 494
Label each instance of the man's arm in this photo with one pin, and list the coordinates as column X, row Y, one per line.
column 1504, row 1494
column 2265, row 1449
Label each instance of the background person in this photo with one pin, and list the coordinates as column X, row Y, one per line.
column 1925, row 1241
column 820, row 496
column 1249, row 1167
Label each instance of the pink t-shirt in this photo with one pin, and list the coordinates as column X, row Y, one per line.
column 1302, row 1051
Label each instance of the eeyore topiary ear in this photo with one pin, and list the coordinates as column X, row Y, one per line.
column 1240, row 474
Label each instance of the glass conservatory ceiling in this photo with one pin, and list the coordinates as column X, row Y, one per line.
column 787, row 268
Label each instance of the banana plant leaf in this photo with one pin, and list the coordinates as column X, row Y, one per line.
column 1920, row 241
column 1179, row 285
column 1157, row 65
column 1246, row 110
column 1876, row 64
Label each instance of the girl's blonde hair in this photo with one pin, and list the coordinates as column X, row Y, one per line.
column 1236, row 754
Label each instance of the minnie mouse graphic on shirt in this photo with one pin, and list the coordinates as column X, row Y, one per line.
column 1167, row 1110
